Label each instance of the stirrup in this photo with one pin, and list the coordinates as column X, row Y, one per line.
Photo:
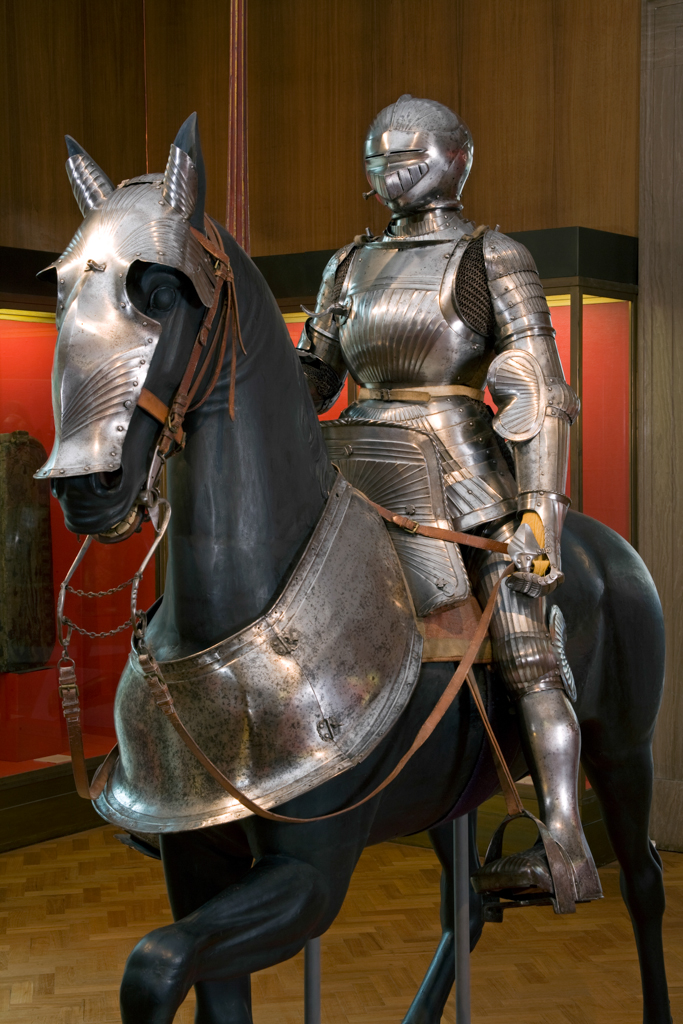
column 563, row 897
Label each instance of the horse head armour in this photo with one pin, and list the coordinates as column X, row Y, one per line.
column 105, row 344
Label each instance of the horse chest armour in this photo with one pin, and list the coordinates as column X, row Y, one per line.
column 302, row 694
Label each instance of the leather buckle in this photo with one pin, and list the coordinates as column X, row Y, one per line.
column 70, row 698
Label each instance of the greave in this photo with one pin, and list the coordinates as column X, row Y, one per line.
column 552, row 745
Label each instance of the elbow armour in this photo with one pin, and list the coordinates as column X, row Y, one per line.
column 323, row 366
column 525, row 396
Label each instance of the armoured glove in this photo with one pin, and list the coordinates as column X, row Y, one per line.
column 535, row 576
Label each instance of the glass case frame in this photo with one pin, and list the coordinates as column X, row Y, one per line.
column 577, row 288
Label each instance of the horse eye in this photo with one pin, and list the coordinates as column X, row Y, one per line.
column 162, row 298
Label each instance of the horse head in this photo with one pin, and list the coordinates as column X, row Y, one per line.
column 133, row 287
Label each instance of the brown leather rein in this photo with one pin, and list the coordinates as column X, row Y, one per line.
column 172, row 419
column 164, row 701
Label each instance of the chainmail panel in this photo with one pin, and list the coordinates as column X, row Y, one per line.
column 323, row 377
column 471, row 290
column 340, row 275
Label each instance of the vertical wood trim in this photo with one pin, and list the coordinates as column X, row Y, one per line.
column 633, row 421
column 237, row 198
column 660, row 375
column 576, row 374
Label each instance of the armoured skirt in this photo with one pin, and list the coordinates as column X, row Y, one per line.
column 480, row 493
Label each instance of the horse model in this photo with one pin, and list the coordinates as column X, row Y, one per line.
column 250, row 485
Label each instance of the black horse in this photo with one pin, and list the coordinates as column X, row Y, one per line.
column 246, row 494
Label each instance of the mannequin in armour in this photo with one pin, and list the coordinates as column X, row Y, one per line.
column 423, row 316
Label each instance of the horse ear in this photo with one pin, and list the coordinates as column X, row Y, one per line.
column 90, row 184
column 185, row 176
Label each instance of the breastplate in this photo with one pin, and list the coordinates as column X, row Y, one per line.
column 402, row 326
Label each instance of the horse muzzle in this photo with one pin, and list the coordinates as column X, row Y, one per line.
column 104, row 350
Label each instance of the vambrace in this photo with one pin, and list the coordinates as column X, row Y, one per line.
column 536, row 406
column 323, row 366
column 318, row 347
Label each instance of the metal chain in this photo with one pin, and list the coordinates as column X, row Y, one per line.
column 100, row 593
column 97, row 636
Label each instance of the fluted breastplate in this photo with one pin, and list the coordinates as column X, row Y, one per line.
column 396, row 331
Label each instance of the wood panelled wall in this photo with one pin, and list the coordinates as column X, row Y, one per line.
column 120, row 84
column 548, row 87
column 660, row 378
column 65, row 68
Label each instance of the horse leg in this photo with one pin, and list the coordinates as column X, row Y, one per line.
column 197, row 867
column 430, row 1000
column 259, row 921
column 624, row 789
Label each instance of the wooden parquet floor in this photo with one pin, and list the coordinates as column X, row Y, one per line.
column 71, row 910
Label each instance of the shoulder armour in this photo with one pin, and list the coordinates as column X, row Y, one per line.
column 320, row 335
column 334, row 276
column 332, row 265
column 504, row 255
column 519, row 303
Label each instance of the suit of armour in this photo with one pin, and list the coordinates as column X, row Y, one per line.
column 423, row 317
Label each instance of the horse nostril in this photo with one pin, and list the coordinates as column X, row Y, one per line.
column 110, row 480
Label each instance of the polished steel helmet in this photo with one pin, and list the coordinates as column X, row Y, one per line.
column 105, row 344
column 418, row 154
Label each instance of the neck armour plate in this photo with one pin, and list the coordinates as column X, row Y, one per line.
column 302, row 694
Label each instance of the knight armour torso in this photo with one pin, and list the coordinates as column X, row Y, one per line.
column 404, row 326
column 396, row 331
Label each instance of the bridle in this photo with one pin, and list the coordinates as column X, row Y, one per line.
column 171, row 441
column 172, row 437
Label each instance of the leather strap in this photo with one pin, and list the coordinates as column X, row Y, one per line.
column 156, row 408
column 172, row 417
column 513, row 801
column 410, row 526
column 163, row 699
column 68, row 691
column 419, row 394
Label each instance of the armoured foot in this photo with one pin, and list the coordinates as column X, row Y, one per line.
column 519, row 872
column 528, row 872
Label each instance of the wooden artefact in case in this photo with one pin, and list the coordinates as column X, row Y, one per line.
column 27, row 613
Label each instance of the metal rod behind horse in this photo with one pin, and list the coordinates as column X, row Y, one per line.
column 461, row 918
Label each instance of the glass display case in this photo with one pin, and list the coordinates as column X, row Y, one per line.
column 595, row 330
column 32, row 731
column 589, row 278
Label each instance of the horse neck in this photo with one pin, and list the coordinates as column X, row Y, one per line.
column 245, row 493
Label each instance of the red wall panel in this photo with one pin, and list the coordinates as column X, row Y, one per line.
column 26, row 353
column 606, row 414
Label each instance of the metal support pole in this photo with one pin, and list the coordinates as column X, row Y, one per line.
column 312, row 982
column 461, row 923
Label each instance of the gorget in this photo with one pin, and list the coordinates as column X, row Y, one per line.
column 303, row 693
column 433, row 225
